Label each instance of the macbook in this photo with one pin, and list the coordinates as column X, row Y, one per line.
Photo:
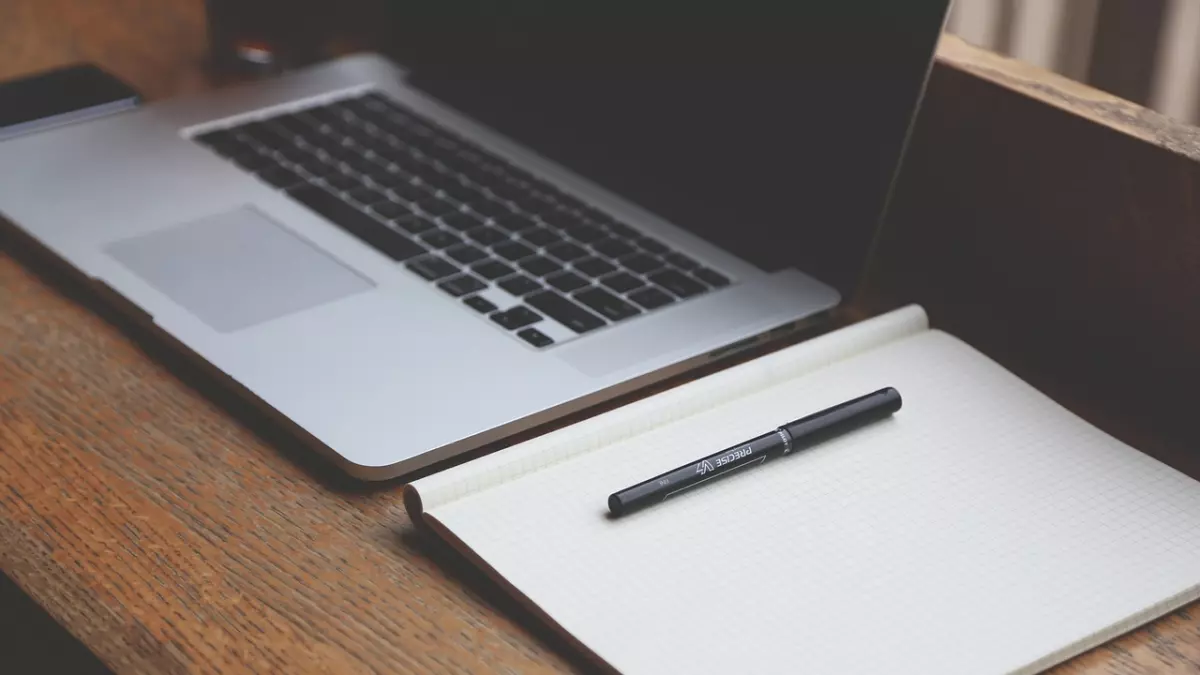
column 519, row 211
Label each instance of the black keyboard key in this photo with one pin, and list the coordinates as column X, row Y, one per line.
column 711, row 277
column 492, row 269
column 318, row 169
column 431, row 267
column 462, row 193
column 516, row 172
column 622, row 282
column 487, row 236
column 586, row 233
column 652, row 245
column 532, row 206
column 539, row 266
column 594, row 267
column 293, row 153
column 568, row 203
column 372, row 232
column 520, row 285
column 541, row 237
column 414, row 224
column 651, row 298
column 466, row 254
column 303, row 143
column 567, row 281
column 678, row 283
column 461, row 221
column 564, row 311
column 259, row 132
column 327, row 147
column 388, row 179
column 512, row 251
column 547, row 202
column 515, row 223
column 596, row 215
column 343, row 151
column 641, row 263
column 506, row 192
column 562, row 220
column 479, row 304
column 366, row 195
column 619, row 227
column 490, row 209
column 281, row 177
column 681, row 261
column 294, row 123
column 411, row 142
column 440, row 239
column 407, row 192
column 389, row 209
column 253, row 161
column 323, row 115
column 567, row 251
column 341, row 182
column 535, row 337
column 470, row 168
column 517, row 317
column 400, row 161
column 213, row 138
column 435, row 208
column 233, row 147
column 363, row 136
column 461, row 285
column 606, row 304
column 438, row 183
column 340, row 114
column 361, row 106
column 363, row 166
column 613, row 248
column 380, row 102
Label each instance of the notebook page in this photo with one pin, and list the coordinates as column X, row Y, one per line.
column 678, row 403
column 982, row 529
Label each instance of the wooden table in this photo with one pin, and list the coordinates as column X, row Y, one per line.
column 169, row 529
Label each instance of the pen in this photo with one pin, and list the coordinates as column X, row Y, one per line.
column 802, row 433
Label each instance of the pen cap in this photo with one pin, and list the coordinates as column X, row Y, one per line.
column 844, row 417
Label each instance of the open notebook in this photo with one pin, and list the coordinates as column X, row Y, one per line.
column 981, row 529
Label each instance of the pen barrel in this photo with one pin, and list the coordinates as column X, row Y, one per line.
column 839, row 419
column 788, row 438
column 748, row 453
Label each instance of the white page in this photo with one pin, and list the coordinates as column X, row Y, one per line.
column 982, row 529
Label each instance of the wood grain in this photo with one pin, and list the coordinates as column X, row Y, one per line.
column 1102, row 108
column 171, row 529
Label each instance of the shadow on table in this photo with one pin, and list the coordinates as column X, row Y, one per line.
column 31, row 641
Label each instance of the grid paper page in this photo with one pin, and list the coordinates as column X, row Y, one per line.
column 982, row 529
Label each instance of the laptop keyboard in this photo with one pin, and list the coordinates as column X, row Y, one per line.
column 541, row 264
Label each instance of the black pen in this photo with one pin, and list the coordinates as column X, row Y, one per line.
column 802, row 433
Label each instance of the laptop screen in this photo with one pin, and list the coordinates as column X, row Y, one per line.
column 772, row 129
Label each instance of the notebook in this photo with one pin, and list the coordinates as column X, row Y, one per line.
column 981, row 529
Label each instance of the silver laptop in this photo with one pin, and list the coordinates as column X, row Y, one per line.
column 533, row 215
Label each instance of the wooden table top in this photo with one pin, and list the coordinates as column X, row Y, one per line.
column 170, row 529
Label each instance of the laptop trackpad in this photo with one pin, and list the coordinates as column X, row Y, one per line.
column 237, row 269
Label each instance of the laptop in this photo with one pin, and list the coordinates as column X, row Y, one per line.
column 517, row 213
